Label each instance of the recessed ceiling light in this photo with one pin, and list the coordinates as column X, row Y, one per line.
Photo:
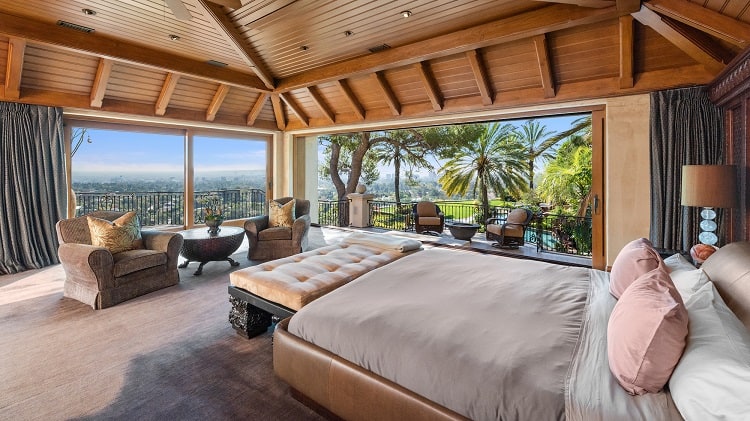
column 348, row 33
column 174, row 37
column 89, row 12
column 406, row 13
column 304, row 48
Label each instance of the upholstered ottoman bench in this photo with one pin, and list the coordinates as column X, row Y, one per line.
column 278, row 288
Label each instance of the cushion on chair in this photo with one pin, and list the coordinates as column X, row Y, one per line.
column 429, row 220
column 427, row 209
column 275, row 233
column 517, row 216
column 281, row 215
column 135, row 260
column 120, row 235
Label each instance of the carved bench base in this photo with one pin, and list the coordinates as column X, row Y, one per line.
column 252, row 315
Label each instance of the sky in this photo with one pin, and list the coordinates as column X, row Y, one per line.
column 122, row 152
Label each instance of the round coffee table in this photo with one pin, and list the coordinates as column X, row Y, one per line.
column 200, row 246
column 462, row 230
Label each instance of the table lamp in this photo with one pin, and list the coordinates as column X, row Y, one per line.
column 709, row 186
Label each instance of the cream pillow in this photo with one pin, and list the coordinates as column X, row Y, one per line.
column 281, row 215
column 122, row 234
column 685, row 276
column 711, row 380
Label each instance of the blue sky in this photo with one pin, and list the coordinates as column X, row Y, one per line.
column 120, row 152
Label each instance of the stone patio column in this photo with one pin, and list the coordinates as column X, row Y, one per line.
column 359, row 209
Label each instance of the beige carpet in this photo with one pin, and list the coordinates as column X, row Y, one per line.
column 170, row 354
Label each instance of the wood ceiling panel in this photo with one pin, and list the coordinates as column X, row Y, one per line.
column 332, row 95
column 737, row 9
column 367, row 92
column 512, row 65
column 654, row 52
column 586, row 52
column 305, row 102
column 238, row 101
column 454, row 76
column 266, row 113
column 318, row 25
column 3, row 57
column 55, row 70
column 193, row 94
column 132, row 83
column 406, row 85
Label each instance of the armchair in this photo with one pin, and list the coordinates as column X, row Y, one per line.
column 509, row 233
column 428, row 217
column 266, row 242
column 95, row 276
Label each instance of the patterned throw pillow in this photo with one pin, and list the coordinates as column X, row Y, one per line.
column 281, row 215
column 122, row 234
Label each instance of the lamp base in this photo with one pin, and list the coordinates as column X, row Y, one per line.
column 708, row 226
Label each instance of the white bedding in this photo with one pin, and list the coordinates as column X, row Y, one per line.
column 485, row 336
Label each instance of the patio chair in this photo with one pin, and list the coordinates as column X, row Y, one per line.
column 428, row 218
column 509, row 232
column 267, row 242
column 102, row 277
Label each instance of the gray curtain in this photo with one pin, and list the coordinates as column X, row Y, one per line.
column 34, row 193
column 686, row 128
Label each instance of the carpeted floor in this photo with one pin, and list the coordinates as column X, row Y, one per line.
column 170, row 354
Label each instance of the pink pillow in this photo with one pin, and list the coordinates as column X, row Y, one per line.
column 647, row 333
column 635, row 259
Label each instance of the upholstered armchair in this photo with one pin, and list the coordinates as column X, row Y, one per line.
column 428, row 217
column 509, row 232
column 273, row 242
column 101, row 279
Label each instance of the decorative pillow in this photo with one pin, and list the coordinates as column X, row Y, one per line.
column 635, row 259
column 281, row 215
column 122, row 234
column 684, row 275
column 678, row 262
column 646, row 333
column 711, row 380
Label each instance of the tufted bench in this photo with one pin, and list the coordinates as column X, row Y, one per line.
column 283, row 286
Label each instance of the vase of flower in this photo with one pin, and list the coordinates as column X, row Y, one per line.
column 213, row 225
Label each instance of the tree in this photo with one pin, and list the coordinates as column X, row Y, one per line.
column 398, row 147
column 348, row 155
column 539, row 145
column 495, row 160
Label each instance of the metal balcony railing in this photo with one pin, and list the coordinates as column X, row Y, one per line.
column 168, row 208
column 333, row 213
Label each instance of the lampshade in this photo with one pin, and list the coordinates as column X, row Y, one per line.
column 713, row 186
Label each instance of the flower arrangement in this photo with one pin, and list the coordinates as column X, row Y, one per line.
column 212, row 209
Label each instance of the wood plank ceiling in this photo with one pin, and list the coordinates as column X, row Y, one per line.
column 293, row 64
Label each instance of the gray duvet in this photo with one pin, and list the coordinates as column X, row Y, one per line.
column 488, row 337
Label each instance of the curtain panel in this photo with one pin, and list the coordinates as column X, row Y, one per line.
column 34, row 187
column 686, row 129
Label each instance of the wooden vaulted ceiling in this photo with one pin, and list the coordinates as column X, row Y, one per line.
column 294, row 64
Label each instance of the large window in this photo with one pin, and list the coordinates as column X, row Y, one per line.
column 123, row 168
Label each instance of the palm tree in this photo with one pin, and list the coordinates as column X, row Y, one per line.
column 538, row 143
column 402, row 147
column 494, row 161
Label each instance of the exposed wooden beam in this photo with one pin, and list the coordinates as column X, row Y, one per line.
column 255, row 111
column 626, row 51
column 295, row 109
column 225, row 27
column 278, row 112
column 525, row 25
column 100, row 82
column 351, row 98
column 626, row 7
column 595, row 4
column 545, row 65
column 706, row 20
column 216, row 101
column 167, row 89
column 14, row 67
column 430, row 85
column 115, row 49
column 322, row 106
column 480, row 75
column 649, row 18
column 232, row 4
column 388, row 95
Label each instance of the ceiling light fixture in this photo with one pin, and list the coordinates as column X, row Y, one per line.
column 406, row 13
column 89, row 12
column 348, row 33
column 174, row 37
column 304, row 48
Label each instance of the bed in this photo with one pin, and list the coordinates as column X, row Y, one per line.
column 452, row 334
